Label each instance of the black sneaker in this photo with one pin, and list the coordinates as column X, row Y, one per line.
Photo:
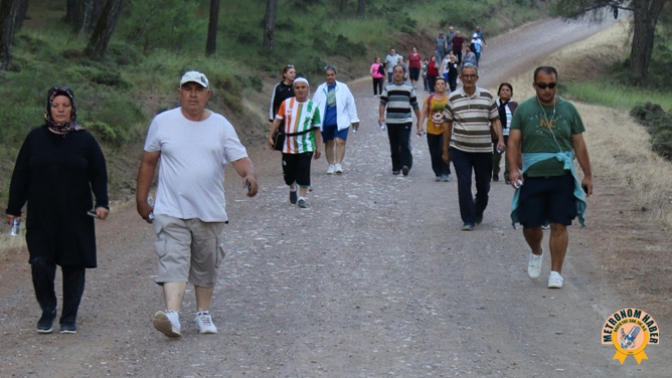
column 292, row 196
column 405, row 170
column 396, row 173
column 68, row 328
column 495, row 178
column 479, row 219
column 507, row 181
column 45, row 324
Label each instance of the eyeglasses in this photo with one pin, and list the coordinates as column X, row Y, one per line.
column 469, row 76
column 544, row 85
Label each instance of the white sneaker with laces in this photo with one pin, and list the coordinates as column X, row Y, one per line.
column 204, row 322
column 534, row 265
column 555, row 280
column 330, row 170
column 339, row 168
column 168, row 323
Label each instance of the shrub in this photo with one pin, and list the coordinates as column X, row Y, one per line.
column 659, row 124
column 648, row 113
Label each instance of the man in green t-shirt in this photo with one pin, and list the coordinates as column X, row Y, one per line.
column 547, row 130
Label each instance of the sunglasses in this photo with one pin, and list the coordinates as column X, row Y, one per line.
column 544, row 85
column 289, row 66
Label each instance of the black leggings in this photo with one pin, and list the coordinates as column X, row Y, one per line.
column 378, row 85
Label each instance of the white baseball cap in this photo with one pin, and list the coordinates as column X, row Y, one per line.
column 194, row 77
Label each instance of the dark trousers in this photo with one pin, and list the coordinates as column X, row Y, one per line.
column 44, row 273
column 481, row 165
column 431, row 81
column 389, row 77
column 435, row 144
column 400, row 145
column 458, row 55
column 378, row 85
column 497, row 158
column 452, row 81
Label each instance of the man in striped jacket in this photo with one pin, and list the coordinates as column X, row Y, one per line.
column 399, row 98
column 469, row 114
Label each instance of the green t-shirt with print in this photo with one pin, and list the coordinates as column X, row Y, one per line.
column 533, row 120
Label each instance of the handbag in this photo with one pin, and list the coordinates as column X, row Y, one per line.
column 278, row 139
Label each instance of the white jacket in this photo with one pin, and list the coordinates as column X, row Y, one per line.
column 346, row 110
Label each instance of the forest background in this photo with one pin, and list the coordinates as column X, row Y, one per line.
column 135, row 75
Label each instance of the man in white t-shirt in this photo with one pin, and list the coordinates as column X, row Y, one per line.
column 194, row 145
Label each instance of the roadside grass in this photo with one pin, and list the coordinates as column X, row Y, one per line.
column 615, row 96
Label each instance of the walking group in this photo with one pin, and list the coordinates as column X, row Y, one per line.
column 60, row 168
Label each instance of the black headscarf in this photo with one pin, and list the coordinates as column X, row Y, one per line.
column 66, row 127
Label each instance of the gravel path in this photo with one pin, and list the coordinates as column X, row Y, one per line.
column 374, row 279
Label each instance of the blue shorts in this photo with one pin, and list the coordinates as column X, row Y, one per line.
column 331, row 132
column 547, row 199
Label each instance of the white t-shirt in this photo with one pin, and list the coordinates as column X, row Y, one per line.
column 193, row 158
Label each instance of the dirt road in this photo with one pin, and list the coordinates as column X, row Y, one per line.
column 375, row 279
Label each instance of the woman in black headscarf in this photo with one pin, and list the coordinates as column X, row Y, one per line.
column 58, row 167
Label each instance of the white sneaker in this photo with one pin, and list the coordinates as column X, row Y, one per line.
column 534, row 265
column 168, row 323
column 555, row 280
column 204, row 322
column 330, row 170
column 339, row 168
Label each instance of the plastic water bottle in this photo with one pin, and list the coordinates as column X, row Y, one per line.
column 150, row 201
column 16, row 228
column 383, row 126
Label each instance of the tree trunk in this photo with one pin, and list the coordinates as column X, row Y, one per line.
column 72, row 12
column 21, row 13
column 211, row 44
column 361, row 8
column 343, row 5
column 269, row 24
column 9, row 10
column 89, row 14
column 645, row 18
column 104, row 29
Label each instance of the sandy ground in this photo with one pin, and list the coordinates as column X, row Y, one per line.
column 375, row 279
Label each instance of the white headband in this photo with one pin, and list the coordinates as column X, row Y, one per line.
column 302, row 80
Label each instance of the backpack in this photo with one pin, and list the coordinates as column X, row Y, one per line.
column 381, row 69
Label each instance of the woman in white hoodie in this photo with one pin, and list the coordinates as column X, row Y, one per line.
column 337, row 112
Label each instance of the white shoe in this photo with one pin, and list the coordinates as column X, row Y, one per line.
column 168, row 323
column 339, row 168
column 534, row 265
column 330, row 170
column 555, row 280
column 204, row 322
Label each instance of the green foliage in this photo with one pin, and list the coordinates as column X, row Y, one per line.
column 112, row 79
column 167, row 24
column 659, row 124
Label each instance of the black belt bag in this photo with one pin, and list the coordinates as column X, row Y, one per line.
column 279, row 138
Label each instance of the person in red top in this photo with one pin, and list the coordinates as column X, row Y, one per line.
column 432, row 73
column 458, row 42
column 414, row 66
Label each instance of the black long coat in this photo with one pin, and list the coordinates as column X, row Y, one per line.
column 56, row 175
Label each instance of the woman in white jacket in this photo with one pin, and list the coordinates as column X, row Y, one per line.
column 337, row 112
